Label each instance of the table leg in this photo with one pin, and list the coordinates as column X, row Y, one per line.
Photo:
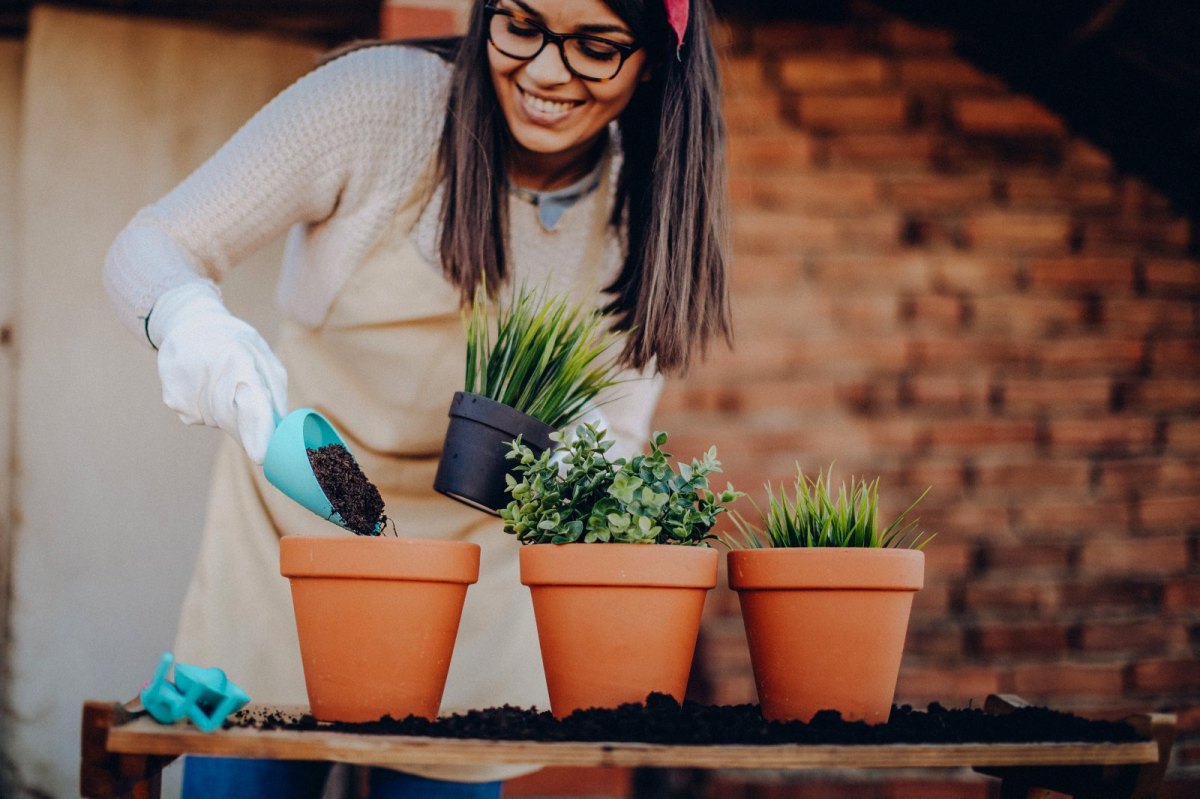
column 109, row 775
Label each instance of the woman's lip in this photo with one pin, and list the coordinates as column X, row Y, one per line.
column 543, row 110
column 527, row 93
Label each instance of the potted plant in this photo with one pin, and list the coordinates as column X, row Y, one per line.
column 376, row 616
column 536, row 373
column 617, row 562
column 825, row 598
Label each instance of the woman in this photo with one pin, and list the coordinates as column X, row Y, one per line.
column 572, row 143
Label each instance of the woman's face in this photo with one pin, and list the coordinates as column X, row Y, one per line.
column 549, row 110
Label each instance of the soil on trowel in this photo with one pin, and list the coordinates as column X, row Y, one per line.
column 352, row 495
column 662, row 720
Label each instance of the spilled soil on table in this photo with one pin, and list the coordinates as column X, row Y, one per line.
column 662, row 720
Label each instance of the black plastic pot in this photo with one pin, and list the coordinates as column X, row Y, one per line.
column 473, row 466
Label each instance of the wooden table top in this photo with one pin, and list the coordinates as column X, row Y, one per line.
column 145, row 736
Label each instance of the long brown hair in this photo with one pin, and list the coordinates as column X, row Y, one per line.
column 670, row 296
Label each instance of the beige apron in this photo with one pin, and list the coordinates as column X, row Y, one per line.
column 383, row 368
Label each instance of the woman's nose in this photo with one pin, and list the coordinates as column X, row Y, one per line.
column 549, row 67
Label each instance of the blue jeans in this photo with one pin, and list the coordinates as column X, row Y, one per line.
column 241, row 778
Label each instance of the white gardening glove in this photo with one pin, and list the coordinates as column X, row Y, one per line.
column 215, row 369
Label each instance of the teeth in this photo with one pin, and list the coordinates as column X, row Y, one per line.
column 547, row 106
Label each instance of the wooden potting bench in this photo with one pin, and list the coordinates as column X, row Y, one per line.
column 124, row 756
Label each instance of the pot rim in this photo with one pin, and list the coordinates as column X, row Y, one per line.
column 377, row 558
column 498, row 416
column 882, row 569
column 599, row 564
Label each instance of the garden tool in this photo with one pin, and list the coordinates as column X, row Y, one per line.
column 204, row 695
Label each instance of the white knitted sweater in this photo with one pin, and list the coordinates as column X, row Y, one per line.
column 333, row 157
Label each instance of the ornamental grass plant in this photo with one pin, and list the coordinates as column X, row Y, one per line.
column 544, row 355
column 575, row 494
column 815, row 517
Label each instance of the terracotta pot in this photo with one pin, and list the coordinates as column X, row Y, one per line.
column 616, row 622
column 826, row 627
column 377, row 619
column 473, row 465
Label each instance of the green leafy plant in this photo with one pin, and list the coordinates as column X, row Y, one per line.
column 814, row 517
column 589, row 498
column 546, row 356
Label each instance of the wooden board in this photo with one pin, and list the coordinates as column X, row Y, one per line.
column 145, row 736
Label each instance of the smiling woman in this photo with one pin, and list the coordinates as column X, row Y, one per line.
column 575, row 145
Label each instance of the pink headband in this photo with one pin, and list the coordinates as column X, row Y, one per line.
column 677, row 17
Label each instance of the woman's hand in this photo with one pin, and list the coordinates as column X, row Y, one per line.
column 216, row 369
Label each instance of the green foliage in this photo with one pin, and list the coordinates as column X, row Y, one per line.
column 816, row 518
column 545, row 357
column 594, row 499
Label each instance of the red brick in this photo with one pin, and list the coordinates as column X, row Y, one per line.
column 974, row 276
column 560, row 781
column 769, row 151
column 1168, row 512
column 803, row 36
column 1006, row 595
column 415, row 21
column 846, row 112
column 956, row 355
column 1137, row 317
column 1029, row 558
column 1112, row 434
column 908, row 37
column 1020, row 639
column 953, row 686
column 933, row 71
column 1161, row 394
column 947, row 392
column 1182, row 595
column 1124, row 477
column 1048, row 394
column 1183, row 435
column 933, row 600
column 940, row 192
column 870, row 274
column 1005, row 116
column 752, row 272
column 945, row 558
column 826, row 71
column 1167, row 675
column 941, row 312
column 807, row 192
column 1069, row 514
column 1111, row 556
column 1171, row 277
column 934, row 642
column 1179, row 356
column 1082, row 157
column 769, row 233
column 1078, row 273
column 1168, row 236
column 1019, row 231
column 1042, row 191
column 892, row 150
column 1052, row 680
column 1141, row 635
column 745, row 76
column 750, row 114
column 1097, row 355
column 1030, row 477
column 984, row 433
column 1093, row 594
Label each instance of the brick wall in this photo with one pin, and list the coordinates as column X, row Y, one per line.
column 937, row 283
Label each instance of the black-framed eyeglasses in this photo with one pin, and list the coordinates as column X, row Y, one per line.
column 587, row 57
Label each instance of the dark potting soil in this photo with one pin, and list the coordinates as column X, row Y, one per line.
column 662, row 720
column 352, row 495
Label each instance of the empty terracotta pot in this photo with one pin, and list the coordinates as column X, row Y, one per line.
column 616, row 622
column 826, row 627
column 377, row 619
